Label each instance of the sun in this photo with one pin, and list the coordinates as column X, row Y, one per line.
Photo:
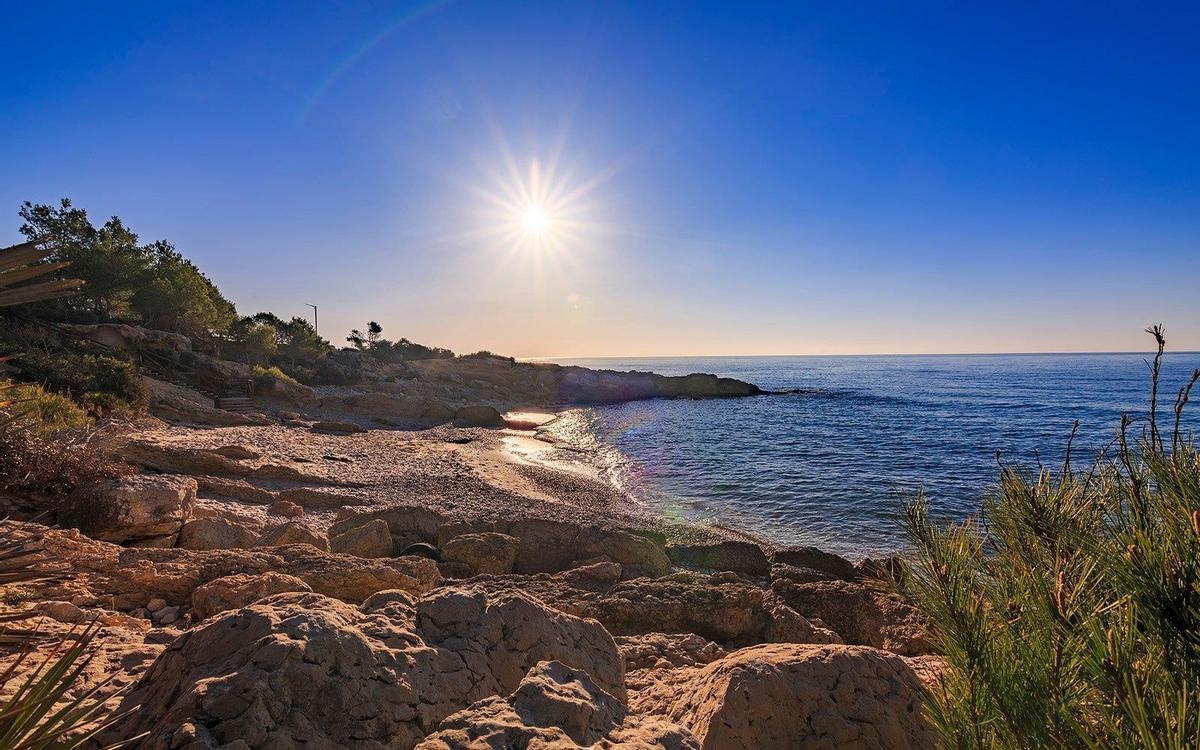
column 539, row 218
column 535, row 219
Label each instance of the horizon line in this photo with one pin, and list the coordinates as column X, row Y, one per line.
column 1149, row 353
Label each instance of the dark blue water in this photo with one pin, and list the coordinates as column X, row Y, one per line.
column 832, row 464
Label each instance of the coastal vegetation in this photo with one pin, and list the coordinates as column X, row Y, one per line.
column 1068, row 613
column 115, row 278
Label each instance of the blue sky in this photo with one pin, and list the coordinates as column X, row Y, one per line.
column 736, row 178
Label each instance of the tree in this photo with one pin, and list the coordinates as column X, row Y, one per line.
column 109, row 259
column 297, row 341
column 368, row 341
column 152, row 284
column 301, row 343
column 175, row 296
column 259, row 343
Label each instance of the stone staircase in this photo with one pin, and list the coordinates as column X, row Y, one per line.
column 242, row 404
column 229, row 395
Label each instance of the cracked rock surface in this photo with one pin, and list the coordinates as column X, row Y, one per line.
column 301, row 668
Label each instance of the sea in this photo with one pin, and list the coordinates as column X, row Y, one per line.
column 832, row 461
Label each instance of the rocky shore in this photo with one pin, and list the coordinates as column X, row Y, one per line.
column 302, row 576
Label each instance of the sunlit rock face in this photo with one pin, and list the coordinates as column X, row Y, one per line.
column 301, row 668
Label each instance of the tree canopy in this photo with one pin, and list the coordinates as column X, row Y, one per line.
column 151, row 284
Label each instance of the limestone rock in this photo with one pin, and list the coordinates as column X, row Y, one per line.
column 240, row 590
column 372, row 539
column 391, row 408
column 237, row 452
column 817, row 559
column 236, row 489
column 178, row 404
column 407, row 524
column 638, row 555
column 792, row 695
column 858, row 613
column 123, row 578
column 173, row 459
column 300, row 668
column 285, row 508
column 129, row 338
column 664, row 650
column 719, row 610
column 555, row 707
column 736, row 556
column 488, row 553
column 61, row 611
column 549, row 546
column 216, row 533
column 130, row 508
column 310, row 497
column 604, row 571
column 292, row 532
column 478, row 416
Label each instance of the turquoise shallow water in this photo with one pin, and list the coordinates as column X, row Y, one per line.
column 831, row 464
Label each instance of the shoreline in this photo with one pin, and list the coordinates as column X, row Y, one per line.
column 539, row 449
column 432, row 533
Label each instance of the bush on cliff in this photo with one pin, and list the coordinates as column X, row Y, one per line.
column 48, row 446
column 266, row 374
column 1069, row 613
column 106, row 386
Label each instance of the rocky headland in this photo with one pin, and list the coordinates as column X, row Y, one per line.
column 374, row 565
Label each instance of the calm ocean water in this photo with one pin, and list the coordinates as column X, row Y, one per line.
column 831, row 465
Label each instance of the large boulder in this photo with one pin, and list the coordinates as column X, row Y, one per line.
column 793, row 695
column 407, row 524
column 547, row 546
column 812, row 558
column 478, row 416
column 292, row 532
column 489, row 553
column 372, row 539
column 859, row 614
column 556, row 706
column 732, row 555
column 300, row 668
column 216, row 533
column 130, row 508
column 239, row 590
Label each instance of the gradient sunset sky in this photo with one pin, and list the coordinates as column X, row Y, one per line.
column 717, row 178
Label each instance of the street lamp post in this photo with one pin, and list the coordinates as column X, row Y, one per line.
column 315, row 329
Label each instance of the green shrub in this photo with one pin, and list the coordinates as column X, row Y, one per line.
column 47, row 411
column 48, row 446
column 1069, row 613
column 101, row 381
column 275, row 373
